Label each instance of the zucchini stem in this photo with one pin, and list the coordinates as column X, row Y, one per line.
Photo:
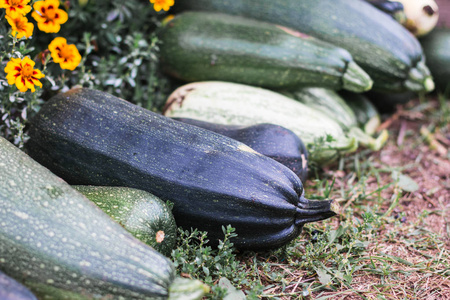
column 315, row 210
column 419, row 79
column 355, row 79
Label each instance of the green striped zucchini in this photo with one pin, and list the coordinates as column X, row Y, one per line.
column 367, row 115
column 142, row 214
column 327, row 101
column 335, row 107
column 197, row 46
column 386, row 50
column 90, row 137
column 232, row 103
column 60, row 245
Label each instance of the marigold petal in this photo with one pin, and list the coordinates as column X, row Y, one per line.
column 62, row 17
column 157, row 7
column 38, row 74
column 49, row 27
column 20, row 84
column 15, row 11
column 11, row 79
column 29, row 61
column 29, row 30
column 29, row 83
column 12, row 64
column 38, row 5
column 69, row 65
column 38, row 17
column 54, row 3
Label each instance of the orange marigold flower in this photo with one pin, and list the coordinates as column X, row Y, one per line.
column 20, row 26
column 21, row 73
column 15, row 8
column 48, row 16
column 162, row 4
column 67, row 56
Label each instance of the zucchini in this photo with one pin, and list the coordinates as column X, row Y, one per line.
column 331, row 104
column 436, row 46
column 386, row 50
column 200, row 46
column 60, row 245
column 238, row 104
column 274, row 141
column 142, row 214
column 327, row 101
column 10, row 289
column 366, row 113
column 89, row 137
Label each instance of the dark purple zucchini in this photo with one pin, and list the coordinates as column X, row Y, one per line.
column 274, row 141
column 12, row 290
column 392, row 8
column 91, row 137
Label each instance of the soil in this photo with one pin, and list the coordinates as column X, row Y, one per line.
column 426, row 207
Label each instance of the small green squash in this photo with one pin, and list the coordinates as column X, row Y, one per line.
column 142, row 214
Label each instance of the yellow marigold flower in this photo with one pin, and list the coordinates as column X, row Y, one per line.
column 48, row 16
column 162, row 4
column 20, row 26
column 67, row 56
column 15, row 8
column 21, row 73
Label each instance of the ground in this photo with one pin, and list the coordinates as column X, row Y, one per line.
column 407, row 251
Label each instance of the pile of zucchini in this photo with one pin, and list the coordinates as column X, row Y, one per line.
column 241, row 60
column 90, row 209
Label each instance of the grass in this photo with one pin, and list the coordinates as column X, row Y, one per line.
column 391, row 240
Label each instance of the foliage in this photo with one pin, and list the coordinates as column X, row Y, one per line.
column 118, row 54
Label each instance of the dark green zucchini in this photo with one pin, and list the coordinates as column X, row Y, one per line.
column 199, row 46
column 142, row 214
column 60, row 245
column 91, row 137
column 436, row 46
column 386, row 50
column 12, row 290
column 274, row 141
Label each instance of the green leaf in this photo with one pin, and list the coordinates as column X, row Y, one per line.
column 324, row 277
column 405, row 182
column 232, row 292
